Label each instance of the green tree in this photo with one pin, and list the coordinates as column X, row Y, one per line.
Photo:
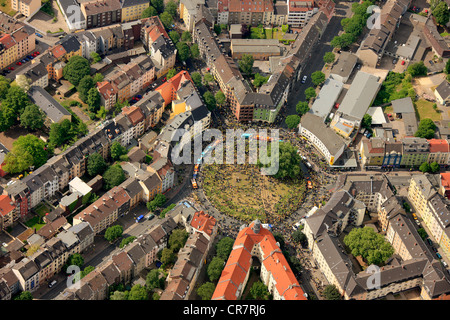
column 206, row 290
column 331, row 292
column 171, row 73
column 246, row 64
column 95, row 164
column 86, row 271
column 60, row 133
column 114, row 176
column 127, row 241
column 27, row 151
column 422, row 233
column 166, row 19
column 318, row 77
column 197, row 79
column 32, row 117
column 149, row 12
column 366, row 121
column 24, row 295
column 446, row 69
column 302, row 108
column 117, row 150
column 370, row 245
column 299, row 237
column 259, row 291
column 292, row 121
column 93, row 100
column 425, row 167
column 183, row 51
column 224, row 247
column 4, row 87
column 101, row 113
column 157, row 202
column 434, row 167
column 95, row 57
column 178, row 239
column 98, row 77
column 220, row 98
column 329, row 57
column 154, row 280
column 288, row 161
column 210, row 101
column 76, row 259
column 260, row 80
column 138, row 292
column 417, row 69
column 113, row 233
column 76, row 69
column 215, row 268
column 168, row 256
column 86, row 84
column 174, row 36
column 119, row 295
column 186, row 36
column 158, row 5
column 208, row 78
column 426, row 129
column 342, row 41
column 171, row 8
column 310, row 93
column 441, row 13
column 195, row 52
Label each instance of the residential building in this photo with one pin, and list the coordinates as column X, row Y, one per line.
column 54, row 112
column 27, row 272
column 36, row 73
column 442, row 92
column 101, row 13
column 132, row 9
column 300, row 12
column 26, row 7
column 8, row 212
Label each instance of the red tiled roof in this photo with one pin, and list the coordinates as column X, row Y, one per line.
column 445, row 180
column 7, row 41
column 58, row 51
column 203, row 222
column 134, row 114
column 5, row 205
column 438, row 145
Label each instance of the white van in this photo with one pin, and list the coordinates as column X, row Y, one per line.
column 52, row 283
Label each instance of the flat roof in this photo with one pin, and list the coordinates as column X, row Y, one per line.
column 327, row 97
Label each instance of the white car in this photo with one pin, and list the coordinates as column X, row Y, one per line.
column 304, row 79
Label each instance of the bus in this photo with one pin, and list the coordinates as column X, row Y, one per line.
column 194, row 184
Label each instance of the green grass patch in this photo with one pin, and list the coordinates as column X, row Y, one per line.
column 42, row 210
column 395, row 86
column 5, row 6
column 268, row 33
column 445, row 34
column 425, row 110
column 35, row 222
column 257, row 33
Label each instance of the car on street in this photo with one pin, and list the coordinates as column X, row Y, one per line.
column 414, row 216
column 18, row 63
column 304, row 79
column 444, row 264
column 438, row 255
column 52, row 283
column 39, row 35
column 10, row 68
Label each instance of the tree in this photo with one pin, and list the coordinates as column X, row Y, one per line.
column 113, row 233
column 417, row 69
column 114, row 176
column 329, row 57
column 425, row 167
column 171, row 73
column 27, row 151
column 138, row 292
column 61, row 132
column 422, row 233
column 288, row 161
column 93, row 100
column 16, row 100
column 372, row 246
column 186, row 36
column 32, row 117
column 208, row 78
column 24, row 295
column 117, row 150
column 98, row 77
column 331, row 292
column 177, row 239
column 318, row 77
column 174, row 36
column 292, row 121
column 101, row 113
column 210, row 101
column 366, row 121
column 183, row 51
column 299, row 237
column 434, row 167
column 96, row 164
column 154, row 280
column 158, row 5
column 95, row 57
column 310, row 93
column 259, row 291
column 119, row 295
column 86, row 84
column 197, row 78
column 220, row 98
column 206, row 290
column 246, row 64
column 75, row 260
column 279, row 238
column 166, row 19
column 23, row 82
column 302, row 108
column 260, row 80
column 215, row 268
column 426, row 129
column 4, row 87
column 127, row 241
column 171, row 8
column 447, row 67
column 441, row 13
column 195, row 52
column 342, row 41
column 224, row 247
column 168, row 256
column 149, row 12
column 76, row 69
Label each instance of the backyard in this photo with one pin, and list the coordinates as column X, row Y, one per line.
column 425, row 110
column 244, row 193
column 37, row 221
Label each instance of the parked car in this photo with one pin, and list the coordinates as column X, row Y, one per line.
column 414, row 216
column 429, row 241
column 438, row 255
column 52, row 283
column 304, row 79
column 39, row 35
column 18, row 63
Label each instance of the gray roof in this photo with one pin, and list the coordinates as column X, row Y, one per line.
column 403, row 105
column 34, row 72
column 82, row 230
column 345, row 64
column 47, row 104
column 360, row 96
column 328, row 95
column 444, row 89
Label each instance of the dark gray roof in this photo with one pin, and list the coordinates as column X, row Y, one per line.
column 403, row 105
column 47, row 104
column 443, row 89
column 34, row 72
column 131, row 186
column 70, row 43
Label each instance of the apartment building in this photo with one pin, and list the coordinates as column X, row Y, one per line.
column 108, row 94
column 245, row 12
column 164, row 169
column 132, row 9
column 300, row 12
column 152, row 106
column 188, row 10
column 26, row 7
column 36, row 73
column 101, row 13
column 54, row 112
column 8, row 212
